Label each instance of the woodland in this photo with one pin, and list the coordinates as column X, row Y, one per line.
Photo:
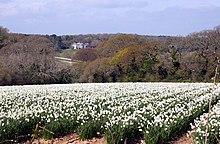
column 30, row 59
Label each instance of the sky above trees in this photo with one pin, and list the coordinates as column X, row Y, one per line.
column 150, row 17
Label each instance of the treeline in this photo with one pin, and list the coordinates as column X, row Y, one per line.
column 65, row 41
column 30, row 59
column 130, row 58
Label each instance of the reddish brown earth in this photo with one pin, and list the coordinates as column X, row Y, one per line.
column 70, row 139
column 184, row 140
column 74, row 139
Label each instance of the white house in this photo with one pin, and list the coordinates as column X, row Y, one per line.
column 77, row 45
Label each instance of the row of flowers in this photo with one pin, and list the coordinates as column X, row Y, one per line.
column 207, row 125
column 154, row 111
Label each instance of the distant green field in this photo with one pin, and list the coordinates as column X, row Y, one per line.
column 67, row 53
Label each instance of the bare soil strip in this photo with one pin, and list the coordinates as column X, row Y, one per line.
column 74, row 139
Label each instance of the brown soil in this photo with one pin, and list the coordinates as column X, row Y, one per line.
column 70, row 139
column 184, row 140
column 74, row 139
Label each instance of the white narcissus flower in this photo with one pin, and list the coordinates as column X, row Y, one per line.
column 125, row 104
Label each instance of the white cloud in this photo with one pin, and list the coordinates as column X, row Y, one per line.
column 100, row 15
column 17, row 7
column 90, row 7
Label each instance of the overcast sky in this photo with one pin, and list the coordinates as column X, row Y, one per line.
column 148, row 17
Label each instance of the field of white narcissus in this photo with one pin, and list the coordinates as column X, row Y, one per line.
column 156, row 112
column 200, row 125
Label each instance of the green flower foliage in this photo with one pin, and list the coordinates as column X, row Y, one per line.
column 156, row 112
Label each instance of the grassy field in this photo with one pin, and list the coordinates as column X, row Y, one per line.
column 156, row 112
column 67, row 53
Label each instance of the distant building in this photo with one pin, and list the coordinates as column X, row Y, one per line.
column 86, row 45
column 77, row 45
